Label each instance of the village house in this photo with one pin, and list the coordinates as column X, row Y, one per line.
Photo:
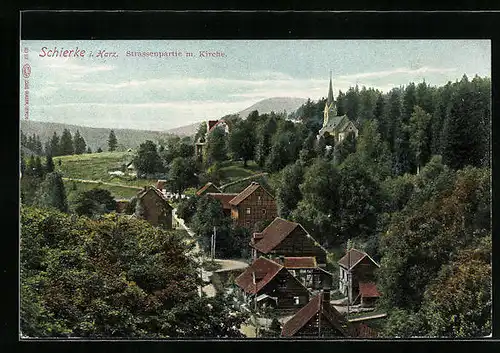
column 200, row 144
column 287, row 239
column 362, row 268
column 247, row 208
column 253, row 205
column 153, row 206
column 266, row 281
column 335, row 125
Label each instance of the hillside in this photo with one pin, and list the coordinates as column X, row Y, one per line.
column 94, row 137
column 276, row 104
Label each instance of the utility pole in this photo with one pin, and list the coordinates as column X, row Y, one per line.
column 214, row 235
column 348, row 278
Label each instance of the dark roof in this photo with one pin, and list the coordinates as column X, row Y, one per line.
column 265, row 270
column 249, row 190
column 300, row 262
column 206, row 187
column 355, row 257
column 274, row 234
column 365, row 331
column 368, row 290
column 224, row 198
column 141, row 194
column 315, row 306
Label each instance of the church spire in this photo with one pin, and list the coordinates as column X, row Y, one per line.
column 330, row 92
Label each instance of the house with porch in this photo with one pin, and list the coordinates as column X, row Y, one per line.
column 266, row 281
column 362, row 270
column 288, row 239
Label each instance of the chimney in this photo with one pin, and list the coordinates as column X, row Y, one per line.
column 326, row 295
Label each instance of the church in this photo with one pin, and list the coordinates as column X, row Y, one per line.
column 335, row 125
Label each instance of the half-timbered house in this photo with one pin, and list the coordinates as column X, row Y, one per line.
column 362, row 283
column 266, row 279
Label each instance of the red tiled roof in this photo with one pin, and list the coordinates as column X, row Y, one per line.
column 274, row 234
column 355, row 257
column 368, row 290
column 224, row 198
column 315, row 305
column 205, row 187
column 300, row 262
column 249, row 190
column 265, row 270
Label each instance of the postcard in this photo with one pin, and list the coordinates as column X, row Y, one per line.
column 243, row 189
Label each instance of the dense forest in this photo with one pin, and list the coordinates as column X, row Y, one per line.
column 413, row 189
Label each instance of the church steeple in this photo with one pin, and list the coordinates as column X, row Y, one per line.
column 329, row 101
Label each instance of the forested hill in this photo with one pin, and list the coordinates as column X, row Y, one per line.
column 94, row 137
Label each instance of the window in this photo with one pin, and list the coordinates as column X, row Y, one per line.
column 248, row 211
column 297, row 301
column 264, row 211
column 258, row 199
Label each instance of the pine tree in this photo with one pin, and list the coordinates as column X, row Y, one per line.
column 55, row 146
column 38, row 168
column 49, row 164
column 89, row 150
column 409, row 101
column 79, row 143
column 463, row 141
column 99, row 150
column 52, row 193
column 67, row 147
column 112, row 141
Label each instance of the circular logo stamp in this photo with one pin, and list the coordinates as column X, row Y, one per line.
column 26, row 70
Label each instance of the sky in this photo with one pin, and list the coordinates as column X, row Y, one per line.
column 163, row 92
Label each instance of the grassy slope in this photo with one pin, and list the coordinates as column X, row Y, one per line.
column 95, row 166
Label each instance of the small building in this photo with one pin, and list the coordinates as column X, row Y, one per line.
column 362, row 268
column 224, row 198
column 253, row 205
column 337, row 126
column 153, row 206
column 318, row 319
column 208, row 188
column 265, row 280
column 287, row 239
